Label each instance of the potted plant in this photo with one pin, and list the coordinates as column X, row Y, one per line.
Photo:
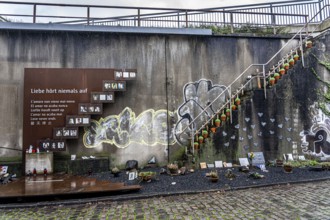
column 173, row 168
column 237, row 101
column 277, row 76
column 223, row 117
column 196, row 145
column 214, row 177
column 279, row 162
column 205, row 133
column 296, row 57
column 213, row 128
column 291, row 62
column 286, row 66
column 115, row 171
column 282, row 71
column 217, row 122
column 228, row 112
column 201, row 139
column 146, row 176
column 233, row 107
column 229, row 174
column 271, row 81
column 309, row 44
column 287, row 167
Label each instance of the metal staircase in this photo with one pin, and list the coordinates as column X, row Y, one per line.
column 262, row 73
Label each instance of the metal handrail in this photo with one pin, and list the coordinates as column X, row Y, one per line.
column 300, row 46
column 261, row 14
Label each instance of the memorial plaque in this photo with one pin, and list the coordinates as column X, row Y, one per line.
column 244, row 162
column 3, row 169
column 50, row 94
column 258, row 158
column 218, row 164
column 203, row 165
column 289, row 157
column 228, row 165
column 301, row 157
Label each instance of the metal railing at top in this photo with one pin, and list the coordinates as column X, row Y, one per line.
column 247, row 77
column 268, row 14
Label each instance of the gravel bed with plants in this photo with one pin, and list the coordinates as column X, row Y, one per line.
column 161, row 181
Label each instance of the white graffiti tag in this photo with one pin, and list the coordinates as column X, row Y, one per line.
column 197, row 107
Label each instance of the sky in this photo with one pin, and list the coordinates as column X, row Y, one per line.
column 186, row 4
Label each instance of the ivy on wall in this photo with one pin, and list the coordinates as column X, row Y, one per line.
column 326, row 95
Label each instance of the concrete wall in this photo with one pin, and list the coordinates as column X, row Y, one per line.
column 165, row 64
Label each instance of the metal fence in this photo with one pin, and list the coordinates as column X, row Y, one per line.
column 259, row 15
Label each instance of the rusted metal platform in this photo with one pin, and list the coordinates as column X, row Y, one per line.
column 59, row 186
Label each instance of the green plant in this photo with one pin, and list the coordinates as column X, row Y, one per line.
column 173, row 168
column 115, row 170
column 214, row 174
column 313, row 163
column 147, row 176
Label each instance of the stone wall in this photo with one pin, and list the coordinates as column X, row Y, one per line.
column 165, row 64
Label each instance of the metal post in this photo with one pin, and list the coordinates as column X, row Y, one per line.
column 306, row 22
column 186, row 19
column 231, row 23
column 320, row 6
column 231, row 111
column 139, row 21
column 178, row 19
column 192, row 140
column 88, row 15
column 273, row 19
column 224, row 17
column 34, row 13
column 301, row 50
column 264, row 74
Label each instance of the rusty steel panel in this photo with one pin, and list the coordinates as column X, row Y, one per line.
column 55, row 99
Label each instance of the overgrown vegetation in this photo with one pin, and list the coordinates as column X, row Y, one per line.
column 247, row 28
column 323, row 105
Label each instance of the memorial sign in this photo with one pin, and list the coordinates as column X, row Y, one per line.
column 59, row 100
column 258, row 158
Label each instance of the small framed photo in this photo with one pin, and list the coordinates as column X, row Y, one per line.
column 132, row 175
column 102, row 97
column 111, row 85
column 203, row 165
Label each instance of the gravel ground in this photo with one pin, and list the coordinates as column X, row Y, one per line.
column 197, row 181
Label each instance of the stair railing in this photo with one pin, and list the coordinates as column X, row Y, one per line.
column 302, row 40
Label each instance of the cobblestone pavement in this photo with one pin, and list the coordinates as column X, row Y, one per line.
column 298, row 201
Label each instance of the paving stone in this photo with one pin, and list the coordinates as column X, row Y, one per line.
column 298, row 201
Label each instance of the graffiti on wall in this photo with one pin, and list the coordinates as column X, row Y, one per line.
column 150, row 128
column 197, row 97
column 316, row 140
